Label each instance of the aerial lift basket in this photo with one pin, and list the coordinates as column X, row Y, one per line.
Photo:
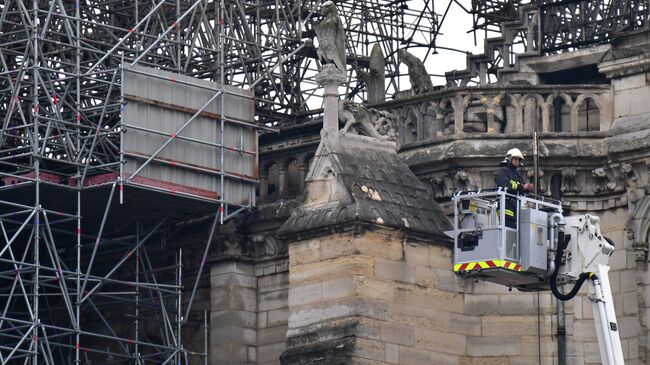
column 502, row 237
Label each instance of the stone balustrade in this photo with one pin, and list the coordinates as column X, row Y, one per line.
column 503, row 110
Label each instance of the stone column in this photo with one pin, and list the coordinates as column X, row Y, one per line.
column 264, row 187
column 283, row 181
column 303, row 168
column 330, row 78
column 233, row 315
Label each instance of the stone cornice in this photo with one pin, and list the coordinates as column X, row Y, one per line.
column 626, row 66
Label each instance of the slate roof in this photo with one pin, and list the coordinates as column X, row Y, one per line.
column 383, row 191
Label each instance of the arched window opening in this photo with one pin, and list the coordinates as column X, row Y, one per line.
column 560, row 116
column 588, row 116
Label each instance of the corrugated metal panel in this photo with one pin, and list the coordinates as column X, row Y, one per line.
column 162, row 101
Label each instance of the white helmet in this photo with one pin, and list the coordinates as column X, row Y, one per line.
column 513, row 152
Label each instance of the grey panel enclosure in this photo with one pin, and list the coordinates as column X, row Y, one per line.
column 158, row 104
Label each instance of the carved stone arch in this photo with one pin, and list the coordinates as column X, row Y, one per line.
column 581, row 119
column 533, row 116
column 560, row 110
column 268, row 180
column 265, row 166
column 475, row 110
column 412, row 125
column 447, row 107
column 432, row 123
column 511, row 110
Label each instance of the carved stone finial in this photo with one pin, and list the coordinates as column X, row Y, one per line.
column 375, row 78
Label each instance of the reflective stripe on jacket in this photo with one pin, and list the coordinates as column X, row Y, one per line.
column 508, row 177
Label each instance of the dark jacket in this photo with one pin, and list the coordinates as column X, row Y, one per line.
column 508, row 177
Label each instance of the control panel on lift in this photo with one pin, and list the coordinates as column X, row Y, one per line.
column 502, row 237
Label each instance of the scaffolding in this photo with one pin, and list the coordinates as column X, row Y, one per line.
column 91, row 267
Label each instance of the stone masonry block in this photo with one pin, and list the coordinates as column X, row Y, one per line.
column 269, row 354
column 229, row 267
column 444, row 342
column 234, row 318
column 397, row 333
column 233, row 279
column 414, row 356
column 629, row 82
column 629, row 326
column 273, row 282
column 440, row 257
column 243, row 299
column 427, row 276
column 528, row 360
column 414, row 315
column 464, row 324
column 372, row 288
column 530, row 345
column 337, row 247
column 445, row 301
column 444, row 359
column 262, row 319
column 377, row 244
column 416, row 254
column 514, row 325
column 628, row 280
column 449, row 281
column 305, row 294
column 278, row 317
column 238, row 335
column 304, row 252
column 511, row 304
column 585, row 331
column 639, row 101
column 481, row 304
column 592, row 353
column 618, row 259
column 273, row 300
column 228, row 354
column 486, row 287
column 394, row 270
column 370, row 349
column 493, row 346
column 342, row 308
column 485, row 360
column 330, row 269
column 271, row 335
column 392, row 353
column 630, row 303
column 339, row 288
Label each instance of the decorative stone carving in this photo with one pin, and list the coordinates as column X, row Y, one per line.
column 267, row 246
column 375, row 78
column 569, row 184
column 367, row 121
column 331, row 37
column 441, row 185
column 418, row 75
column 602, row 180
column 464, row 180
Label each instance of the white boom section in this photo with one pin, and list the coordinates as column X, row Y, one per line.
column 600, row 295
column 588, row 252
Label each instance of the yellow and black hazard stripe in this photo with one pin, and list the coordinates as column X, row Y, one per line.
column 488, row 264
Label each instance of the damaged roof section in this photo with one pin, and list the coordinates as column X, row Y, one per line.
column 369, row 185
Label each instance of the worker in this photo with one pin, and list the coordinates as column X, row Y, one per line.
column 508, row 177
